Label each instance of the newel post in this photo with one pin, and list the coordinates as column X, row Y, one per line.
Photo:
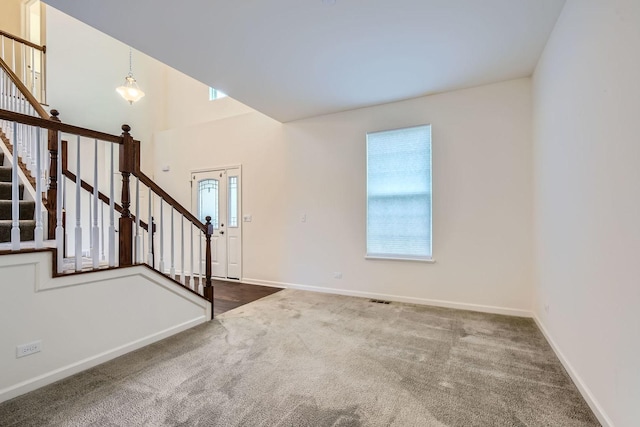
column 52, row 187
column 127, row 166
column 208, row 287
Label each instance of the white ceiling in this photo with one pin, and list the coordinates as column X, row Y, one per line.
column 291, row 59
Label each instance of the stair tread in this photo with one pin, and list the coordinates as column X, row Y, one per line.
column 26, row 209
column 22, row 202
column 6, row 170
column 22, row 222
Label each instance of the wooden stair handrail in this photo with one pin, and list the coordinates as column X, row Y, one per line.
column 170, row 200
column 23, row 90
column 58, row 126
column 10, row 36
column 129, row 164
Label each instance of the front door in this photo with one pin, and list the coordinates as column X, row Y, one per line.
column 216, row 193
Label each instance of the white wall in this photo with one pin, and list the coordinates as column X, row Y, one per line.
column 587, row 201
column 84, row 67
column 482, row 196
column 188, row 102
column 11, row 18
column 82, row 320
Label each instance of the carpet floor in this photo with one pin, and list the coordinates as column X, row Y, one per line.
column 299, row 358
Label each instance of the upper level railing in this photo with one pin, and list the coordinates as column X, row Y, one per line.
column 27, row 61
column 84, row 222
column 15, row 96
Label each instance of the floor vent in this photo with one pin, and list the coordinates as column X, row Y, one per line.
column 380, row 301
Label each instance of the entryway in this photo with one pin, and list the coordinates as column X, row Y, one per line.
column 228, row 296
column 217, row 193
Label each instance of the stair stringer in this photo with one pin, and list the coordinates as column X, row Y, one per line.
column 82, row 319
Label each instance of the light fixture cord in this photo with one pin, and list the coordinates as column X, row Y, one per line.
column 130, row 62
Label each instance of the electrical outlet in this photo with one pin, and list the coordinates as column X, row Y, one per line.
column 337, row 275
column 546, row 308
column 247, row 218
column 303, row 218
column 27, row 349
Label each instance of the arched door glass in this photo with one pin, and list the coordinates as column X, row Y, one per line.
column 208, row 200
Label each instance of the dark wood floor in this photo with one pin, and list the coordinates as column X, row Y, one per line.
column 229, row 295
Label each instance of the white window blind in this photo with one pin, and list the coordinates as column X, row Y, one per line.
column 399, row 193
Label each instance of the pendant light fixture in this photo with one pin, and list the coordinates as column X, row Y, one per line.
column 130, row 90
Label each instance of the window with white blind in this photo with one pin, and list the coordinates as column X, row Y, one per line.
column 399, row 193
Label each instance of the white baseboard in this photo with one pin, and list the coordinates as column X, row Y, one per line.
column 90, row 362
column 577, row 380
column 397, row 298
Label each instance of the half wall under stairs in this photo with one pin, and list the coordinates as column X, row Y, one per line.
column 82, row 319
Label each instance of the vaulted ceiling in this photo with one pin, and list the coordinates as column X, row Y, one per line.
column 291, row 59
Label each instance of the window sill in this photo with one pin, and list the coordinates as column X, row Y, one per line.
column 399, row 258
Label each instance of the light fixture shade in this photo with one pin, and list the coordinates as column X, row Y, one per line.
column 130, row 90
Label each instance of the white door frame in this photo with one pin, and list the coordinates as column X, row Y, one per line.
column 240, row 217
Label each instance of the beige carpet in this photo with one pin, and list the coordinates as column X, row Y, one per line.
column 307, row 359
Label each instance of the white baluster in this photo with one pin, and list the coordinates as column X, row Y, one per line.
column 172, row 272
column 2, row 89
column 33, row 71
column 59, row 202
column 182, row 266
column 191, row 280
column 161, row 237
column 150, row 233
column 24, row 63
column 43, row 79
column 102, row 228
column 64, row 217
column 39, row 232
column 139, row 257
column 34, row 146
column 26, row 147
column 200, row 261
column 95, row 255
column 20, row 136
column 15, row 194
column 45, row 159
column 78, row 234
column 90, row 207
column 6, row 96
column 112, row 210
